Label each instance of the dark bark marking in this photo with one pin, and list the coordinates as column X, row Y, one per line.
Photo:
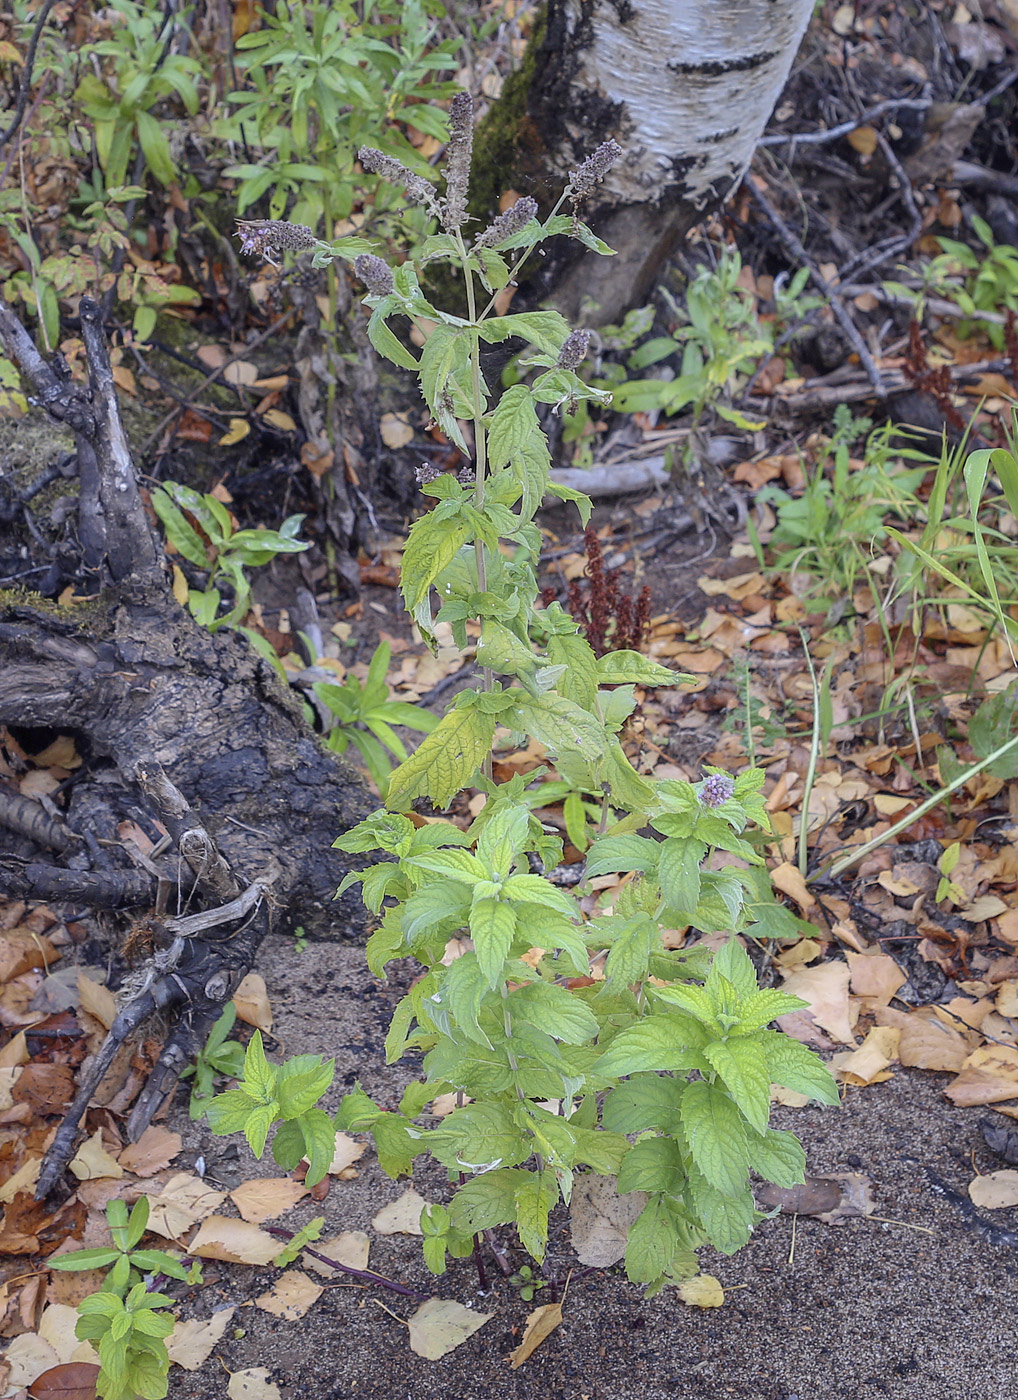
column 716, row 67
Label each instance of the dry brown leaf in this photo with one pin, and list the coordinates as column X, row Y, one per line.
column 266, row 1197
column 541, row 1323
column 440, row 1325
column 28, row 1357
column 987, row 906
column 277, row 417
column 703, row 1291
column 825, row 988
column 833, row 1198
column 876, row 977
column 351, row 1248
column 348, row 1151
column 234, row 1241
column 24, row 1179
column 1006, row 927
column 868, row 1064
column 395, row 430
column 797, row 955
column 56, row 1326
column 240, row 372
column 989, row 1075
column 252, row 1384
column 183, row 1201
column 15, row 1052
column 789, row 880
column 154, row 1150
column 600, row 1219
column 863, row 139
column 925, row 1042
column 1006, row 1000
column 252, row 1002
column 21, row 949
column 290, row 1296
column 995, row 1190
column 97, row 1000
column 93, row 1161
column 71, row 1380
column 190, row 1344
column 402, row 1217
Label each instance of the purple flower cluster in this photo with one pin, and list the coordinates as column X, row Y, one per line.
column 593, row 170
column 421, row 191
column 717, row 789
column 508, row 223
column 457, row 161
column 267, row 237
column 375, row 273
column 574, row 350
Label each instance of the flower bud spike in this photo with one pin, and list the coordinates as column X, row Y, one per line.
column 375, row 273
column 512, row 221
column 593, row 170
column 267, row 237
column 418, row 189
column 574, row 350
column 457, row 161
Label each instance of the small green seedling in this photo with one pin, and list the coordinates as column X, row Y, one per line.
column 125, row 1261
column 220, row 1056
column 527, row 1282
column 365, row 713
column 225, row 552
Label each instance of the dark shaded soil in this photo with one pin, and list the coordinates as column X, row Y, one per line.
column 923, row 1308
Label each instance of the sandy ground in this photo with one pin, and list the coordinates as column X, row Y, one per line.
column 854, row 1311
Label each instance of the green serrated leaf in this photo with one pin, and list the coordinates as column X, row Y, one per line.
column 716, row 1136
column 742, row 1068
column 778, row 1157
column 516, row 441
column 445, row 761
column 669, row 1042
column 493, row 928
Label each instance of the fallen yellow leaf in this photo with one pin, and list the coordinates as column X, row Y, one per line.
column 703, row 1291
column 540, row 1324
column 237, row 431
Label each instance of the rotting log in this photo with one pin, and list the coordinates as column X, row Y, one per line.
column 180, row 730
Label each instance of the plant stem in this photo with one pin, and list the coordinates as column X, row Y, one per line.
column 480, row 455
column 365, row 1275
column 811, row 767
column 848, row 860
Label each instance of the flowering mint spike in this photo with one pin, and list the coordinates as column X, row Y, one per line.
column 574, row 350
column 593, row 170
column 267, row 237
column 717, row 789
column 375, row 273
column 511, row 222
column 419, row 190
column 457, row 161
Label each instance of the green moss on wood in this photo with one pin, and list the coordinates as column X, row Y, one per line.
column 508, row 148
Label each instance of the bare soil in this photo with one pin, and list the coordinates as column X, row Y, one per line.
column 920, row 1309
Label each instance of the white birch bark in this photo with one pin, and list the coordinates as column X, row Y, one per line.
column 691, row 84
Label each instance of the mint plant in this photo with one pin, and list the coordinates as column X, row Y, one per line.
column 129, row 1335
column 121, row 1319
column 573, row 1043
column 125, row 1261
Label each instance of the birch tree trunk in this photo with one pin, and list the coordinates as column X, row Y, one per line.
column 685, row 87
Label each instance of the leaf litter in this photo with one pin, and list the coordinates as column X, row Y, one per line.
column 864, row 1005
